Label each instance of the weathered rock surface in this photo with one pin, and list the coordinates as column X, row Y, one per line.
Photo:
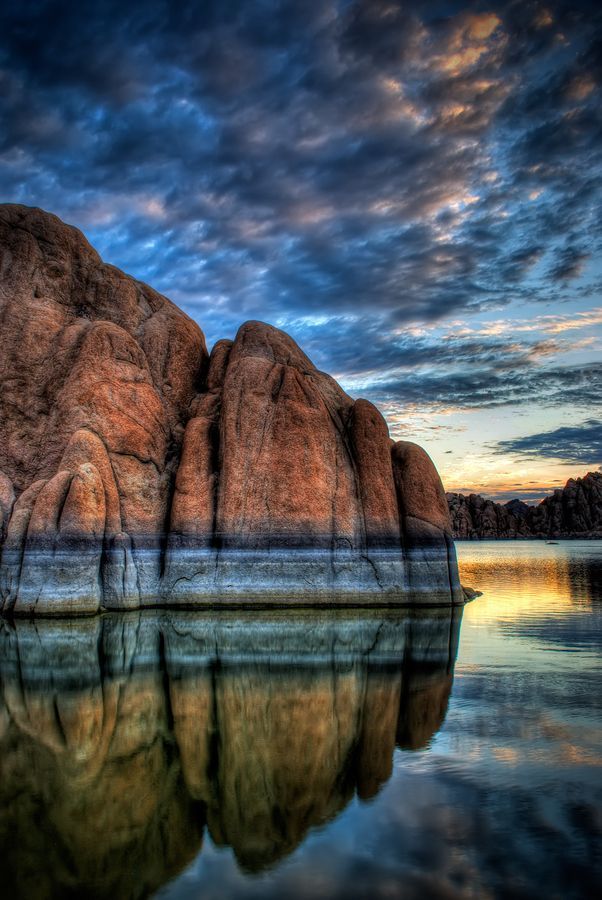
column 570, row 512
column 136, row 470
column 97, row 374
column 129, row 737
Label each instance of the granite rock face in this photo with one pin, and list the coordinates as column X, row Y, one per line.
column 570, row 512
column 137, row 470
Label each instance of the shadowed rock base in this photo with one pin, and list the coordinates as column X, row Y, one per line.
column 84, row 581
column 129, row 737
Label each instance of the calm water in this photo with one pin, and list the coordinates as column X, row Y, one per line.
column 422, row 756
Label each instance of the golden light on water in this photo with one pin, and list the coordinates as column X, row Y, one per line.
column 522, row 579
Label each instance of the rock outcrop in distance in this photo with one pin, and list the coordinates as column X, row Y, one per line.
column 574, row 511
column 136, row 469
column 136, row 736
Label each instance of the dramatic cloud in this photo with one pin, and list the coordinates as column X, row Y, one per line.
column 571, row 443
column 347, row 169
column 262, row 159
column 579, row 386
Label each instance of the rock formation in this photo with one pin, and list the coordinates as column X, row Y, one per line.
column 474, row 516
column 574, row 511
column 128, row 737
column 137, row 470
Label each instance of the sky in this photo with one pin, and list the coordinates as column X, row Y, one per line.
column 411, row 190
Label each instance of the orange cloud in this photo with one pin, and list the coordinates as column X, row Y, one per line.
column 481, row 26
column 543, row 19
column 580, row 88
column 469, row 42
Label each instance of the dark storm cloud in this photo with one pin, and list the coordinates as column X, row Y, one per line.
column 317, row 162
column 569, row 263
column 493, row 387
column 439, row 371
column 571, row 443
column 355, row 344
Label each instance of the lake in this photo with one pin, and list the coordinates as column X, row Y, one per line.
column 433, row 754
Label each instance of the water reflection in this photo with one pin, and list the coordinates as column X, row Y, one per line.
column 124, row 740
column 523, row 573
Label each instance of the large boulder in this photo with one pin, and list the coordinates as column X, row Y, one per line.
column 426, row 526
column 97, row 370
column 285, row 485
column 136, row 470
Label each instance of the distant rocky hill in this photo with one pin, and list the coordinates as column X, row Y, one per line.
column 573, row 511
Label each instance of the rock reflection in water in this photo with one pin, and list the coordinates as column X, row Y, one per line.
column 123, row 739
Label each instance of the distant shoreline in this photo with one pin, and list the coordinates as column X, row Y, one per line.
column 571, row 513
